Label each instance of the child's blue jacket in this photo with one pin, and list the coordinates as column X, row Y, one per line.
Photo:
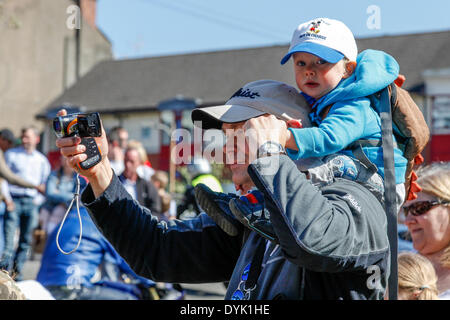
column 351, row 116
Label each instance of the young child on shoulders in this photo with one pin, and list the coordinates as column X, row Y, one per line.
column 346, row 138
column 336, row 81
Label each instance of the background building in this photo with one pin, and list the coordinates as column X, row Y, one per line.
column 38, row 55
column 128, row 92
column 437, row 93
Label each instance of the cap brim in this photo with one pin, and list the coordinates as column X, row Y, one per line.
column 323, row 52
column 214, row 117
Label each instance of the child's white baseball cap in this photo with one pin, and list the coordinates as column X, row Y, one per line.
column 326, row 38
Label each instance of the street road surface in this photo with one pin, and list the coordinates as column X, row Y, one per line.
column 206, row 291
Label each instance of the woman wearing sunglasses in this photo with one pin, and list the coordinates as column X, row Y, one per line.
column 428, row 221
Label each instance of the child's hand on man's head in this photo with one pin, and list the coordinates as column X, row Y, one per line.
column 265, row 128
column 269, row 128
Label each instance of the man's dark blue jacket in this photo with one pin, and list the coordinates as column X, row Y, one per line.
column 333, row 240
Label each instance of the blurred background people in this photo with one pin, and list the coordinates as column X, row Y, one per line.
column 199, row 171
column 7, row 176
column 32, row 166
column 160, row 180
column 141, row 190
column 6, row 143
column 416, row 278
column 7, row 139
column 6, row 204
column 428, row 221
column 92, row 272
column 145, row 170
column 61, row 186
column 118, row 141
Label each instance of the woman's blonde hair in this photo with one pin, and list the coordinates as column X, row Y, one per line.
column 434, row 180
column 417, row 276
column 445, row 257
column 137, row 145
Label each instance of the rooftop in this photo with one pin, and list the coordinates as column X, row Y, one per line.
column 140, row 84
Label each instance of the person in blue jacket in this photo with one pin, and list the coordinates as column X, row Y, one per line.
column 336, row 82
column 60, row 187
column 73, row 276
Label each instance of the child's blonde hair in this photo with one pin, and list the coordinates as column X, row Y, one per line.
column 417, row 277
column 8, row 288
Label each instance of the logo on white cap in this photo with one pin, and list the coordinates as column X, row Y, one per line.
column 315, row 27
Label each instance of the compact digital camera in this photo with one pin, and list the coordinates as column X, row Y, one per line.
column 87, row 126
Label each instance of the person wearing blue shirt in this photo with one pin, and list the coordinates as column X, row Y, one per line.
column 61, row 185
column 73, row 276
column 336, row 81
column 32, row 166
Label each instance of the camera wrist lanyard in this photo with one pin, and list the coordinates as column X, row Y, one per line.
column 76, row 197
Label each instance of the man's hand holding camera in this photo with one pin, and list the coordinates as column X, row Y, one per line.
column 99, row 175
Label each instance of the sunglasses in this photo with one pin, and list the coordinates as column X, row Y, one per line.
column 419, row 208
column 242, row 293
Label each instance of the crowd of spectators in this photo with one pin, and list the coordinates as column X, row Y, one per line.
column 38, row 213
column 33, row 197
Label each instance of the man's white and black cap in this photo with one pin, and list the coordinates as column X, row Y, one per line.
column 253, row 100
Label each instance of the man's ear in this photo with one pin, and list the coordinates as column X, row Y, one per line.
column 350, row 66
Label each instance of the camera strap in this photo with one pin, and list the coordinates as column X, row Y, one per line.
column 76, row 198
column 390, row 200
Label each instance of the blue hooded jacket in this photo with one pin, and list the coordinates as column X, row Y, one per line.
column 351, row 116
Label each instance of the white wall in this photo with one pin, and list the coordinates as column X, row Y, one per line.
column 437, row 89
column 140, row 126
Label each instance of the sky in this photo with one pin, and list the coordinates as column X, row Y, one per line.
column 148, row 28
